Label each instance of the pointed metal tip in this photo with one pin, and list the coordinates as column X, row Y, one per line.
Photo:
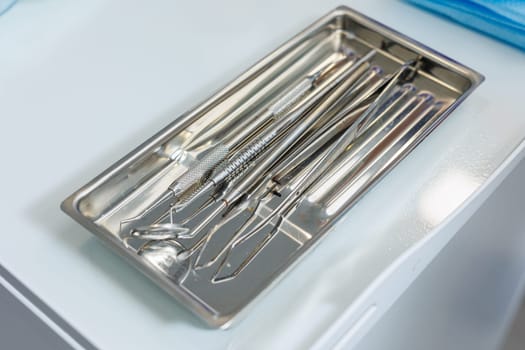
column 125, row 241
column 180, row 206
column 220, row 279
column 183, row 255
column 166, row 195
column 198, row 266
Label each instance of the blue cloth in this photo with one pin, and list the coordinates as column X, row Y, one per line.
column 6, row 5
column 503, row 19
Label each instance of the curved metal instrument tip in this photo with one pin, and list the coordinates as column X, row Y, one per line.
column 163, row 199
column 221, row 279
column 158, row 232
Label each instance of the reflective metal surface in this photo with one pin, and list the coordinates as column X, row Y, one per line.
column 131, row 186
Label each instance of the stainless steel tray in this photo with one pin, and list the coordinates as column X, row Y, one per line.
column 132, row 184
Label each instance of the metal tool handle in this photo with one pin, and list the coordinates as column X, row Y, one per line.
column 196, row 173
column 241, row 161
column 284, row 103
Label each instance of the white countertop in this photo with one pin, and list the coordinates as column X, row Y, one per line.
column 82, row 83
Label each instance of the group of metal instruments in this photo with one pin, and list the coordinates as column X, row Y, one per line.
column 308, row 144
